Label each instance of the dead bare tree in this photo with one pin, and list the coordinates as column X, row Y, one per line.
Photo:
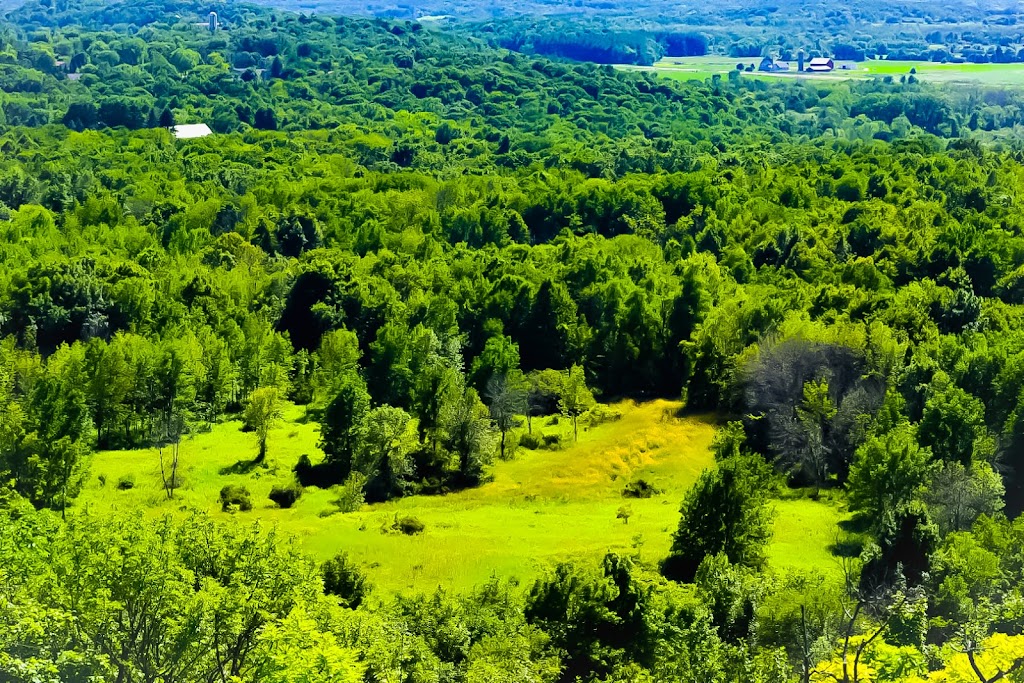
column 971, row 636
column 876, row 608
column 1000, row 674
column 173, row 440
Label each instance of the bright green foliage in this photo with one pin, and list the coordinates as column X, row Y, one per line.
column 262, row 412
column 729, row 442
column 887, row 472
column 574, row 397
column 601, row 622
column 344, row 580
column 731, row 594
column 952, row 424
column 298, row 651
column 499, row 358
column 384, row 456
column 470, row 437
column 44, row 440
column 964, row 573
column 185, row 598
column 337, row 361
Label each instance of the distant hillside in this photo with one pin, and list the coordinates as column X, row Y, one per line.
column 616, row 31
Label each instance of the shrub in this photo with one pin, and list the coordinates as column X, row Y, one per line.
column 303, row 468
column 350, row 496
column 512, row 442
column 285, row 496
column 640, row 488
column 553, row 442
column 344, row 579
column 322, row 475
column 600, row 414
column 530, row 441
column 410, row 526
column 102, row 479
column 126, row 482
column 235, row 497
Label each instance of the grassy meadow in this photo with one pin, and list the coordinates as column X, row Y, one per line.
column 541, row 507
column 702, row 68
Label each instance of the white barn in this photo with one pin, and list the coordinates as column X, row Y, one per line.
column 187, row 131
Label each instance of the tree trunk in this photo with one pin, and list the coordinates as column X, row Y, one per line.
column 805, row 675
column 174, row 470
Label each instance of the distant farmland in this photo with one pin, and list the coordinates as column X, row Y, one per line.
column 701, row 68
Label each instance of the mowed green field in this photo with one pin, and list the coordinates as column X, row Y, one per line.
column 701, row 68
column 540, row 508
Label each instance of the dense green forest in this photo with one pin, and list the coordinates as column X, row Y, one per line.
column 428, row 241
column 613, row 31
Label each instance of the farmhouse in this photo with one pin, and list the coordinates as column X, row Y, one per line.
column 188, row 131
column 771, row 65
column 821, row 64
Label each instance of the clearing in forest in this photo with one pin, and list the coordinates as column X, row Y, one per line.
column 540, row 508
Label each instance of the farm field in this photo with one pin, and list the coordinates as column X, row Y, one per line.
column 701, row 68
column 542, row 507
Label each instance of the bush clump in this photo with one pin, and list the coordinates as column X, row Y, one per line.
column 126, row 482
column 344, row 580
column 640, row 488
column 349, row 496
column 410, row 526
column 553, row 442
column 285, row 496
column 321, row 475
column 235, row 497
column 530, row 441
column 600, row 414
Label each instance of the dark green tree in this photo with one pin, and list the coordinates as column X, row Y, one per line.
column 726, row 511
column 342, row 424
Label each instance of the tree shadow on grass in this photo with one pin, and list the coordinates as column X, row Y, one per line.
column 858, row 524
column 309, row 416
column 852, row 536
column 847, row 546
column 243, row 466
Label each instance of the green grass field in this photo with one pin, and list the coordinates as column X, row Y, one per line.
column 995, row 75
column 540, row 508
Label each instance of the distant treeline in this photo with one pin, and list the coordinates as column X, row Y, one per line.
column 580, row 43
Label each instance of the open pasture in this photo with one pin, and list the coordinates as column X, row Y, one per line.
column 993, row 75
column 540, row 508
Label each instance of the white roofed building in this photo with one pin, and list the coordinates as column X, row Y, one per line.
column 187, row 131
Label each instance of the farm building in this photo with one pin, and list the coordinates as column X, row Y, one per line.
column 188, row 131
column 821, row 64
column 770, row 64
